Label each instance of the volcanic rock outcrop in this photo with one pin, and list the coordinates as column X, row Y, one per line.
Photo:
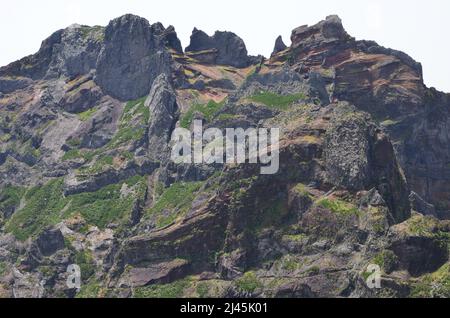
column 86, row 176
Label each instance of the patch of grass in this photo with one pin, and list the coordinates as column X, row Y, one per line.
column 202, row 289
column 106, row 205
column 421, row 225
column 90, row 290
column 172, row 290
column 315, row 270
column 44, row 205
column 75, row 142
column 435, row 285
column 302, row 189
column 86, row 115
column 71, row 154
column 134, row 119
column 249, row 282
column 295, row 238
column 290, row 264
column 177, row 199
column 136, row 108
column 208, row 110
column 125, row 135
column 10, row 198
column 386, row 259
column 99, row 165
column 276, row 101
column 338, row 206
column 3, row 268
column 86, row 263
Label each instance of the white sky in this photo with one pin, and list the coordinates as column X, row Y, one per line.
column 419, row 28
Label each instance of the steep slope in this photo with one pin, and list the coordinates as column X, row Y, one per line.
column 86, row 175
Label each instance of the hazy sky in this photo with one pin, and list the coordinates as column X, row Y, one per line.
column 419, row 28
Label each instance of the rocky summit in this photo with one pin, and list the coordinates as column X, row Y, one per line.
column 362, row 193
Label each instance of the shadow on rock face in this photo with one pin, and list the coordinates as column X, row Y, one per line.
column 420, row 255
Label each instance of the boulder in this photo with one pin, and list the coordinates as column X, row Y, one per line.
column 50, row 241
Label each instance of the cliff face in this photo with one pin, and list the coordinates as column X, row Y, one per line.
column 86, row 178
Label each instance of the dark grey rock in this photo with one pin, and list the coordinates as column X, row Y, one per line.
column 164, row 113
column 279, row 45
column 131, row 58
column 420, row 205
column 50, row 241
column 228, row 47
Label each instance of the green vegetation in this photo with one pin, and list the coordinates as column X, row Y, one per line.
column 386, row 260
column 84, row 116
column 105, row 205
column 90, row 290
column 177, row 198
column 134, row 119
column 10, row 197
column 85, row 261
column 436, row 284
column 172, row 290
column 338, row 206
column 202, row 289
column 71, row 154
column 208, row 110
column 272, row 215
column 314, row 270
column 87, row 155
column 46, row 205
column 249, row 282
column 421, row 225
column 3, row 268
column 5, row 138
column 276, row 101
column 295, row 238
column 136, row 108
column 74, row 142
column 302, row 189
column 99, row 166
column 290, row 264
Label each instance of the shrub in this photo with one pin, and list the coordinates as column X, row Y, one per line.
column 248, row 282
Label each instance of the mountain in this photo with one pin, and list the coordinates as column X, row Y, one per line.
column 87, row 176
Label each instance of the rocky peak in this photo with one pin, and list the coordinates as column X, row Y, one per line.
column 328, row 30
column 132, row 57
column 226, row 47
column 170, row 39
column 67, row 52
column 279, row 45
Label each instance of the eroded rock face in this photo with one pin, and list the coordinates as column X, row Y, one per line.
column 225, row 48
column 89, row 118
column 70, row 52
column 164, row 113
column 158, row 273
column 131, row 58
column 420, row 255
